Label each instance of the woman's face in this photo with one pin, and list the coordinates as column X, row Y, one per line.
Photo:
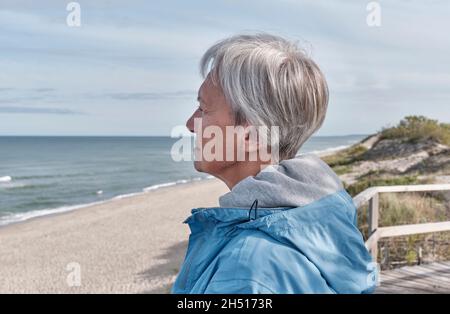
column 212, row 117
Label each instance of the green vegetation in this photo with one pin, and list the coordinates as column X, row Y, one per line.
column 379, row 179
column 411, row 208
column 345, row 157
column 418, row 128
column 342, row 169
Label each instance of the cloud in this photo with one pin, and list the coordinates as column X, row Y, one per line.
column 44, row 90
column 37, row 110
column 100, row 37
column 153, row 95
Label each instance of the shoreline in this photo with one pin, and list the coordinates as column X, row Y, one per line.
column 42, row 213
column 111, row 201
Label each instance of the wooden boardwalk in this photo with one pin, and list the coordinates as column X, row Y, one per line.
column 426, row 278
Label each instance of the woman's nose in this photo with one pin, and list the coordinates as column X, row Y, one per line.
column 190, row 123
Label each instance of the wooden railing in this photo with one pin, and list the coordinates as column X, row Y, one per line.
column 371, row 195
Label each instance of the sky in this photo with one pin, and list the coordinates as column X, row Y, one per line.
column 131, row 68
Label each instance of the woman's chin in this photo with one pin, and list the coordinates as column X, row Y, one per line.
column 198, row 165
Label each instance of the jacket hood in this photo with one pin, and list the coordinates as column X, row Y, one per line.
column 291, row 183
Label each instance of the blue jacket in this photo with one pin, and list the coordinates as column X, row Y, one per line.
column 313, row 248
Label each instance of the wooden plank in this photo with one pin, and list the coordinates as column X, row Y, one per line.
column 413, row 188
column 402, row 230
column 426, row 278
column 401, row 289
column 367, row 194
column 416, row 276
column 444, row 272
column 407, row 287
column 364, row 196
column 373, row 224
column 445, row 264
column 422, row 282
column 396, row 290
column 372, row 240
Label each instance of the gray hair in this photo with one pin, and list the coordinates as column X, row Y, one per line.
column 269, row 81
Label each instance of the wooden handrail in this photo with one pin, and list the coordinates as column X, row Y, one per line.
column 371, row 195
column 367, row 194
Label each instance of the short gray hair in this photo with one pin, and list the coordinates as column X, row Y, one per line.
column 270, row 81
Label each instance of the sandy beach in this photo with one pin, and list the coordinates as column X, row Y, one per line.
column 129, row 245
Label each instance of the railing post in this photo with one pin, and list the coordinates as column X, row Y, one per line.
column 373, row 223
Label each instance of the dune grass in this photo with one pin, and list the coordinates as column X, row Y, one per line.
column 376, row 178
column 419, row 128
column 345, row 157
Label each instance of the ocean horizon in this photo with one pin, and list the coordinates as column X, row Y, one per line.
column 42, row 175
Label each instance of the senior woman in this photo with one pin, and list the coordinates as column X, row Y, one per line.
column 287, row 225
